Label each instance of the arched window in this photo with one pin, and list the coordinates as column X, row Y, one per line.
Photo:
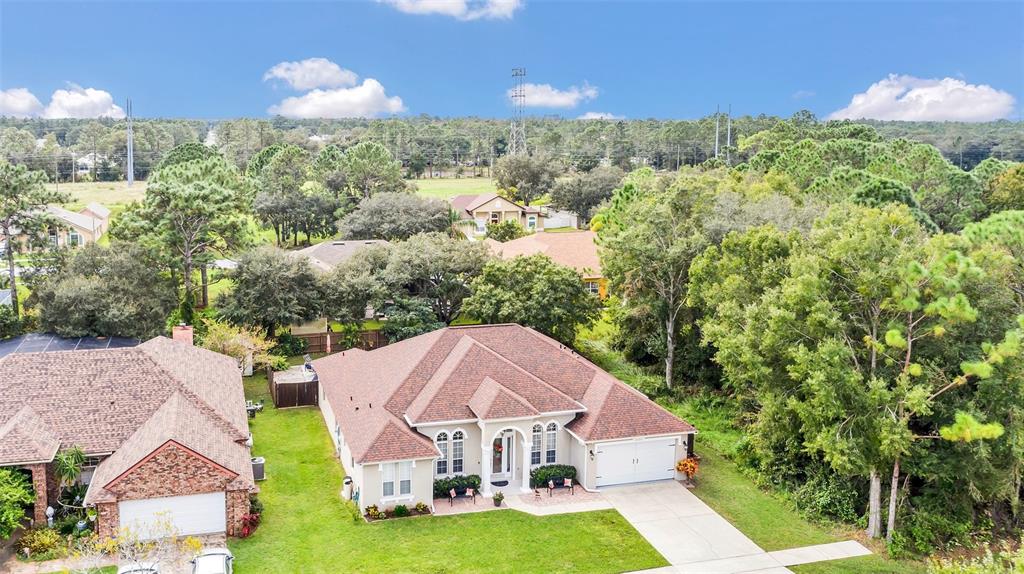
column 552, row 431
column 441, row 440
column 457, row 438
column 538, row 436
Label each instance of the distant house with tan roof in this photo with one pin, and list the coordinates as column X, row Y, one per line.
column 576, row 249
column 163, row 426
column 73, row 229
column 490, row 207
column 496, row 401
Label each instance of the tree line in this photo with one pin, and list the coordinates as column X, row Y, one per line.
column 857, row 303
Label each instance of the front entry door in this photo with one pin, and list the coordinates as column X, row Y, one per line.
column 501, row 463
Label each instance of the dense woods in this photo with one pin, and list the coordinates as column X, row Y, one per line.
column 856, row 303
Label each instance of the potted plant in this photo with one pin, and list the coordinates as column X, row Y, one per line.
column 498, row 498
column 689, row 467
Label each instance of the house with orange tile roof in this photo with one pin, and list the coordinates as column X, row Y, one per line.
column 576, row 249
column 497, row 401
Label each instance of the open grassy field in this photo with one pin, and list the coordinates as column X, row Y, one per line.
column 307, row 527
column 113, row 194
column 448, row 187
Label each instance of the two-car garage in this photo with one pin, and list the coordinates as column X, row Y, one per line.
column 180, row 515
column 639, row 460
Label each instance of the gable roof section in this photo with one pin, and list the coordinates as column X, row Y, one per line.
column 79, row 220
column 478, row 372
column 99, row 209
column 113, row 392
column 493, row 401
column 25, row 438
column 575, row 249
column 620, row 411
column 465, row 205
column 180, row 420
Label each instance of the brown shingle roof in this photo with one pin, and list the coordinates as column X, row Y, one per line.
column 575, row 249
column 113, row 392
column 479, row 372
column 183, row 420
column 25, row 438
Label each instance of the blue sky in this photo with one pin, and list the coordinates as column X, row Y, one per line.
column 664, row 59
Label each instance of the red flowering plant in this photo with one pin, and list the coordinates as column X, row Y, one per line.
column 249, row 524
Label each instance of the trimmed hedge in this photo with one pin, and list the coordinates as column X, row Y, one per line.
column 459, row 483
column 542, row 474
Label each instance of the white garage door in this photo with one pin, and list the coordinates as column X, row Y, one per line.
column 635, row 461
column 194, row 514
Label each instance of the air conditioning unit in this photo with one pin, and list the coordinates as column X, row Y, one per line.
column 258, row 471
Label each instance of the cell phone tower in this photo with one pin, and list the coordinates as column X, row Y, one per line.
column 517, row 132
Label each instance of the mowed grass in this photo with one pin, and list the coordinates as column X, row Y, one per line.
column 443, row 188
column 308, row 528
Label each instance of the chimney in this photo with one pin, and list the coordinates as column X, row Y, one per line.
column 182, row 333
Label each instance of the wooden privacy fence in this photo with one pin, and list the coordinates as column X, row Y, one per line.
column 287, row 393
column 318, row 342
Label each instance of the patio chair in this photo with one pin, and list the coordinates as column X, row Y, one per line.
column 451, row 497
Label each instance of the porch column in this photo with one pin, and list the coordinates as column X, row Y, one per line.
column 485, row 469
column 525, row 486
column 39, row 485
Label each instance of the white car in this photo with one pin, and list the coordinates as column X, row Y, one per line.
column 213, row 561
column 139, row 568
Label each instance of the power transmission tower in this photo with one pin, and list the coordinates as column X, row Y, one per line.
column 718, row 116
column 728, row 136
column 131, row 146
column 517, row 132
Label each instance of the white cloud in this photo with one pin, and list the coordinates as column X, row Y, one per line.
column 803, row 94
column 79, row 102
column 366, row 100
column 19, row 103
column 546, row 96
column 312, row 73
column 599, row 116
column 74, row 102
column 917, row 99
column 460, row 9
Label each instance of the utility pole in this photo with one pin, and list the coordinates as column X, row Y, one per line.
column 717, row 118
column 728, row 135
column 517, row 131
column 130, row 170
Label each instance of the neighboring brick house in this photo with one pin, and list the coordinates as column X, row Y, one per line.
column 492, row 208
column 576, row 249
column 491, row 400
column 163, row 426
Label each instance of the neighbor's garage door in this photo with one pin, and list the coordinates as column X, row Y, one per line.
column 635, row 461
column 194, row 514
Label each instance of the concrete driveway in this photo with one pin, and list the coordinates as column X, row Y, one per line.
column 696, row 539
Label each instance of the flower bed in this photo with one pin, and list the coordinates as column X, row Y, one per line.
column 374, row 514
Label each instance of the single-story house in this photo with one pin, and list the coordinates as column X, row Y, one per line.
column 163, row 427
column 492, row 208
column 73, row 229
column 576, row 249
column 490, row 400
column 326, row 255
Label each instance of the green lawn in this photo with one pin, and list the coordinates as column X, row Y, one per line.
column 443, row 188
column 308, row 528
